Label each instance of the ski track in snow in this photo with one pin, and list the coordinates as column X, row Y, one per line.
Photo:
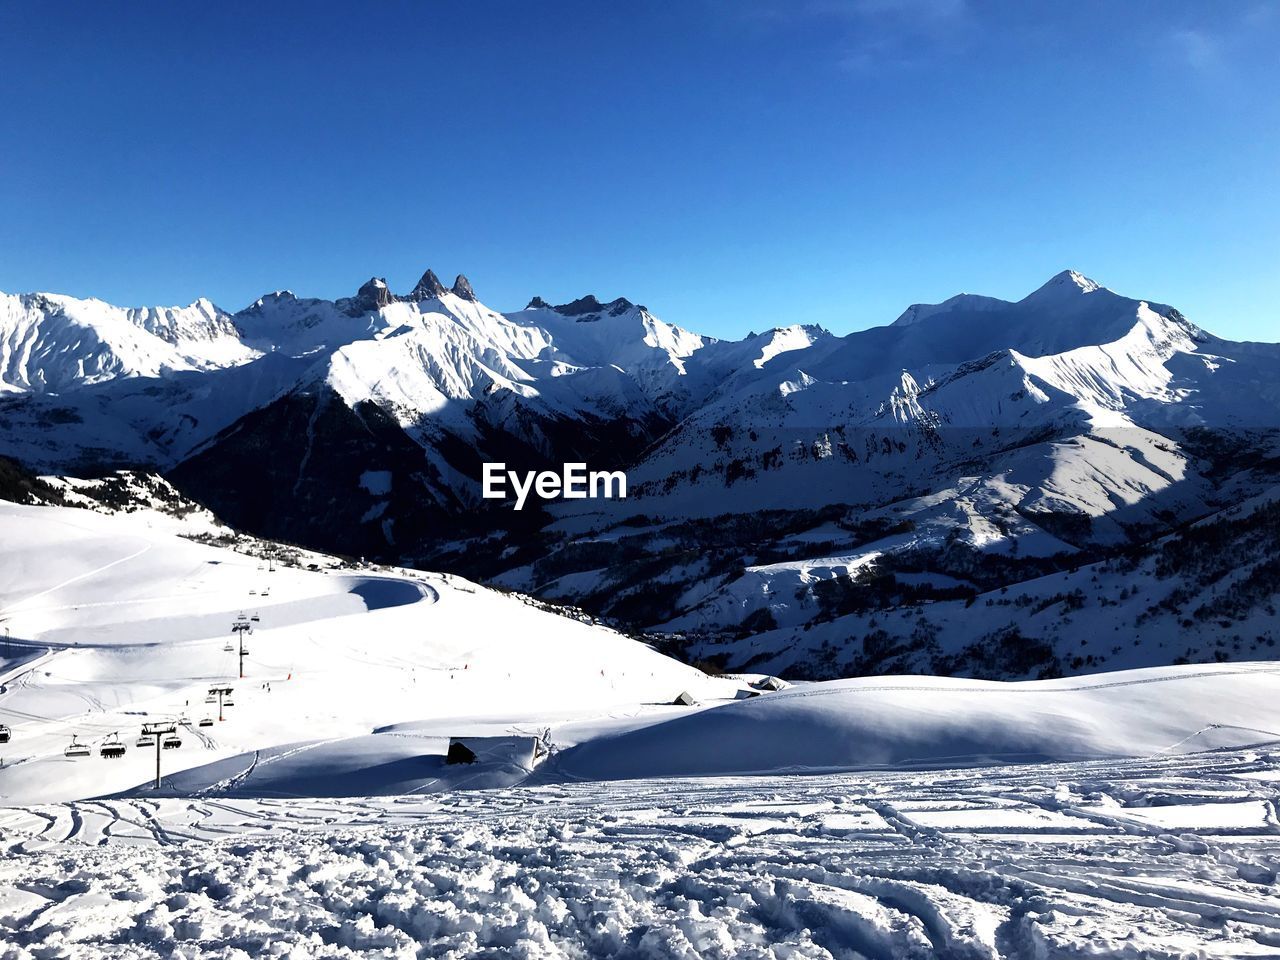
column 1054, row 860
column 18, row 605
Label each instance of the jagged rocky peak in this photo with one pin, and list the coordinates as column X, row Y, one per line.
column 583, row 305
column 462, row 288
column 375, row 294
column 41, row 301
column 590, row 304
column 429, row 287
column 586, row 308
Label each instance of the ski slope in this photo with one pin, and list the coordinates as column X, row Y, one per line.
column 115, row 621
column 355, row 681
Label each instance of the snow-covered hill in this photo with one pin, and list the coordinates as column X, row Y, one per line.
column 1039, row 435
column 117, row 619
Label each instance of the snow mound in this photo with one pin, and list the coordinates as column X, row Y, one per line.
column 942, row 722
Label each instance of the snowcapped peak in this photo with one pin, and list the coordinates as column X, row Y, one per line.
column 1061, row 288
column 430, row 288
column 812, row 331
column 960, row 303
column 462, row 288
column 784, row 340
column 537, row 303
column 1068, row 283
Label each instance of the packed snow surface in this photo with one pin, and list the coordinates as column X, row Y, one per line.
column 1164, row 857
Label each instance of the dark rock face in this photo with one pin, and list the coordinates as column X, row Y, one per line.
column 292, row 471
column 430, row 288
column 462, row 288
column 306, row 453
column 583, row 305
column 372, row 296
column 590, row 304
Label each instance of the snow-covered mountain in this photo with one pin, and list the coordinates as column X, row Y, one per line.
column 50, row 343
column 776, row 483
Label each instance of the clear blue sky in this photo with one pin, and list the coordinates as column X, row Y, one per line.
column 733, row 165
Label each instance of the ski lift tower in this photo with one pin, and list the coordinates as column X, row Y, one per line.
column 240, row 627
column 221, row 693
column 161, row 732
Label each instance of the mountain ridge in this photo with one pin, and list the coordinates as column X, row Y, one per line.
column 765, row 472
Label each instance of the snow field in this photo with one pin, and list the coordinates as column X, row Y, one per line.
column 137, row 621
column 896, row 722
column 1030, row 861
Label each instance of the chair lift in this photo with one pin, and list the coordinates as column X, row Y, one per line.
column 5, row 733
column 229, row 647
column 145, row 740
column 112, row 748
column 266, row 592
column 210, row 699
column 228, row 702
column 255, row 618
column 253, row 593
column 172, row 742
column 206, row 722
column 76, row 749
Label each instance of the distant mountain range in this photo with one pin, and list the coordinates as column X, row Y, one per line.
column 1073, row 481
